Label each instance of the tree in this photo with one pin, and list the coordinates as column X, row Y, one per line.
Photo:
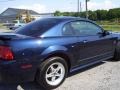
column 83, row 14
column 57, row 13
column 114, row 13
column 101, row 14
column 93, row 15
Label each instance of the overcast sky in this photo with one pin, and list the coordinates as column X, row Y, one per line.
column 46, row 6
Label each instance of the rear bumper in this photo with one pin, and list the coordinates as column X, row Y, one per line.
column 11, row 72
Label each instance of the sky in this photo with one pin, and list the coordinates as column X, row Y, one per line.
column 49, row 6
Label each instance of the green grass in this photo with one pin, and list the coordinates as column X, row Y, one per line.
column 107, row 23
column 115, row 28
column 110, row 25
column 2, row 27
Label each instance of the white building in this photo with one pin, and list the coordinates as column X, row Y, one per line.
column 11, row 14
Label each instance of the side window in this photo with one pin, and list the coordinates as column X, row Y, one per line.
column 82, row 28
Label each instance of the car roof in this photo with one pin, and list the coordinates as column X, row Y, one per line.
column 67, row 18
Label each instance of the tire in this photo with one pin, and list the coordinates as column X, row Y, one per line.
column 117, row 52
column 49, row 75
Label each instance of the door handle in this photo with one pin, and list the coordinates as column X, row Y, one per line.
column 85, row 41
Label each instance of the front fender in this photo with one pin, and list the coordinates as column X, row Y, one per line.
column 116, row 34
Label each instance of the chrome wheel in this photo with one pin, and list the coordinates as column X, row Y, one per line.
column 55, row 74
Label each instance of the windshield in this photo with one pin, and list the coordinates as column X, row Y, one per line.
column 38, row 27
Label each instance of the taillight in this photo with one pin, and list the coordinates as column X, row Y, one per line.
column 6, row 53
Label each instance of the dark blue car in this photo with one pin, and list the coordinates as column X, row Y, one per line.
column 47, row 50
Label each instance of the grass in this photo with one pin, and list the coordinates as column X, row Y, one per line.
column 115, row 28
column 110, row 25
column 2, row 27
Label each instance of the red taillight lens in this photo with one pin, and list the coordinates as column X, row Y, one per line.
column 6, row 53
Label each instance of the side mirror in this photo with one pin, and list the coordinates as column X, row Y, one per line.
column 104, row 33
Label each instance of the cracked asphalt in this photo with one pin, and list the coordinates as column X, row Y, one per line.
column 102, row 76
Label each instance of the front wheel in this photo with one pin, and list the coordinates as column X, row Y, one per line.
column 52, row 72
column 117, row 52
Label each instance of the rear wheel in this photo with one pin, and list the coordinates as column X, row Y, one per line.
column 52, row 72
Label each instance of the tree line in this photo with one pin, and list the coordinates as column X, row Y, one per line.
column 98, row 15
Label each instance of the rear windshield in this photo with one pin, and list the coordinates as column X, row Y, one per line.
column 38, row 27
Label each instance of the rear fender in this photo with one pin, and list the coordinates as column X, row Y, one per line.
column 54, row 50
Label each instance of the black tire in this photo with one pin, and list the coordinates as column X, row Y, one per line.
column 41, row 74
column 117, row 52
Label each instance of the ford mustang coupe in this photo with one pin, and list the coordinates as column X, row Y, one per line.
column 47, row 50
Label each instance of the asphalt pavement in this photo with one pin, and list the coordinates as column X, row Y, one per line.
column 102, row 76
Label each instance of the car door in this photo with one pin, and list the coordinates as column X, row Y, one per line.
column 92, row 46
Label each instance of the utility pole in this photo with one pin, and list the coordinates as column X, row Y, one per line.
column 86, row 2
column 78, row 7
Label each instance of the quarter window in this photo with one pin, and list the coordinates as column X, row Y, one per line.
column 68, row 30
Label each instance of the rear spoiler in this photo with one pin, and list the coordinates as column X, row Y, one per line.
column 7, row 37
column 11, row 36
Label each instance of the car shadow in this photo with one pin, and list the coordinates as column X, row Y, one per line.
column 85, row 69
column 21, row 86
column 112, row 60
column 35, row 86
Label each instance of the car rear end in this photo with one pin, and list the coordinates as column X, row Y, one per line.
column 12, row 69
column 21, row 50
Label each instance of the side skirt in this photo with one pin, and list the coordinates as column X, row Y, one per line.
column 90, row 64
